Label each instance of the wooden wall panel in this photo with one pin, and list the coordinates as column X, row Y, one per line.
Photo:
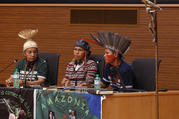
column 56, row 34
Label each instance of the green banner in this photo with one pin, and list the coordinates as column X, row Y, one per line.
column 67, row 105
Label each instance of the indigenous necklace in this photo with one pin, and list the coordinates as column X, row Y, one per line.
column 25, row 69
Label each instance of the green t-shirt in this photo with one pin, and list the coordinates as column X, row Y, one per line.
column 39, row 71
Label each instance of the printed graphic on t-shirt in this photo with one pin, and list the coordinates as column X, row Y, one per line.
column 28, row 75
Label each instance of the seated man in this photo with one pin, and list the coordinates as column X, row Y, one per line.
column 32, row 69
column 118, row 73
column 80, row 71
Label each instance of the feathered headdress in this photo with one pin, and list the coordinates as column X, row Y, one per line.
column 111, row 40
column 28, row 34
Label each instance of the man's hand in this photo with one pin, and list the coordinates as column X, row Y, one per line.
column 9, row 82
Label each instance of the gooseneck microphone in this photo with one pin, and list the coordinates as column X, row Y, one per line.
column 14, row 61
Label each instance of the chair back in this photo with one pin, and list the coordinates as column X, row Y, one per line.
column 99, row 59
column 144, row 70
column 52, row 61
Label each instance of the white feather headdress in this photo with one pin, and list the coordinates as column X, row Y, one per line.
column 28, row 34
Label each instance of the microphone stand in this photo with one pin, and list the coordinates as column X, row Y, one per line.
column 8, row 65
column 3, row 85
column 153, row 28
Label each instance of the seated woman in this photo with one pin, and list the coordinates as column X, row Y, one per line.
column 80, row 71
column 32, row 69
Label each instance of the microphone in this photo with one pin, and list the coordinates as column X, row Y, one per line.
column 78, row 62
column 151, row 4
column 14, row 61
column 98, row 61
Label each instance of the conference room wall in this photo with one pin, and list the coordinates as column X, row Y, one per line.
column 56, row 34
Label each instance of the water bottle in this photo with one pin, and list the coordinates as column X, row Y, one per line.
column 97, row 81
column 16, row 79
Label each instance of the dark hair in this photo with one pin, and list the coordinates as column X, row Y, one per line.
column 121, row 57
column 53, row 114
column 4, row 111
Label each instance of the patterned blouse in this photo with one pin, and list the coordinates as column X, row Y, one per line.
column 85, row 72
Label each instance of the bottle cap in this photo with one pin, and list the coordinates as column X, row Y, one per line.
column 16, row 70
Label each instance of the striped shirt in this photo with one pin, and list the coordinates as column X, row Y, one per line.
column 81, row 73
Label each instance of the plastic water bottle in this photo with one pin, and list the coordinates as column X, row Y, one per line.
column 16, row 79
column 97, row 81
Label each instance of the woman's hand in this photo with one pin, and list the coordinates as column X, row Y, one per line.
column 65, row 82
